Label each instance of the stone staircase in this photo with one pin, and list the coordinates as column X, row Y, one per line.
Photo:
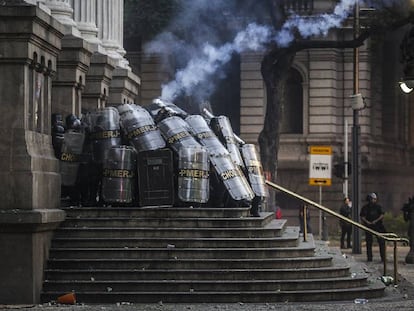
column 108, row 255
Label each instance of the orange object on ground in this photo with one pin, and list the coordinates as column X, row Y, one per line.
column 69, row 299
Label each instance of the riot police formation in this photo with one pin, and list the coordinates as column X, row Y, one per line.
column 197, row 159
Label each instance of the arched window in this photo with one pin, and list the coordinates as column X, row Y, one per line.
column 292, row 115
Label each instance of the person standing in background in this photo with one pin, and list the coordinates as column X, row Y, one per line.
column 371, row 216
column 346, row 228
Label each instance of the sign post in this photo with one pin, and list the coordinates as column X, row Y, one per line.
column 320, row 174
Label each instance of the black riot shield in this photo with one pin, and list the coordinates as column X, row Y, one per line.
column 222, row 128
column 156, row 178
column 254, row 170
column 193, row 174
column 118, row 175
column 177, row 133
column 104, row 132
column 140, row 128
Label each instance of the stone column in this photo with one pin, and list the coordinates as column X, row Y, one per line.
column 63, row 12
column 98, row 80
column 30, row 41
column 110, row 24
column 72, row 66
column 85, row 18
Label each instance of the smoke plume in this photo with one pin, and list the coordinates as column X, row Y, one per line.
column 201, row 58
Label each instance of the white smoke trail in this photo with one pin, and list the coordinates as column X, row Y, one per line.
column 253, row 38
column 315, row 25
column 211, row 58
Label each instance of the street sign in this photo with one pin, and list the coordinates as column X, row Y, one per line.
column 320, row 166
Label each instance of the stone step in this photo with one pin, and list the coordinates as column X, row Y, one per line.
column 194, row 255
column 203, row 285
column 196, row 274
column 157, row 212
column 205, row 264
column 81, row 221
column 272, row 229
column 269, row 296
column 303, row 249
column 288, row 239
column 189, row 253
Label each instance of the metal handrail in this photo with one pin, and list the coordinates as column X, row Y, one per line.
column 388, row 236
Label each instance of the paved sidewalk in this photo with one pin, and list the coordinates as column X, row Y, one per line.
column 400, row 297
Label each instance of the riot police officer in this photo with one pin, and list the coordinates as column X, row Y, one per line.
column 372, row 215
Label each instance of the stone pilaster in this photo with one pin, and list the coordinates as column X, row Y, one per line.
column 124, row 87
column 98, row 80
column 153, row 74
column 72, row 66
column 30, row 41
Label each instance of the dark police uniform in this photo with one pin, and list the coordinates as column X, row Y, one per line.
column 371, row 217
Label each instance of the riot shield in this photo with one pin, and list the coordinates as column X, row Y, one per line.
column 177, row 133
column 222, row 128
column 161, row 109
column 232, row 177
column 118, row 175
column 254, row 170
column 228, row 172
column 140, row 128
column 70, row 157
column 205, row 135
column 193, row 174
column 104, row 132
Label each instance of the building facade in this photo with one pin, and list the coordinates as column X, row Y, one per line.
column 319, row 112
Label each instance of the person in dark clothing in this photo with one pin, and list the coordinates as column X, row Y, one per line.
column 371, row 215
column 346, row 228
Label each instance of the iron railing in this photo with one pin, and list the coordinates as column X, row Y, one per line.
column 391, row 237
